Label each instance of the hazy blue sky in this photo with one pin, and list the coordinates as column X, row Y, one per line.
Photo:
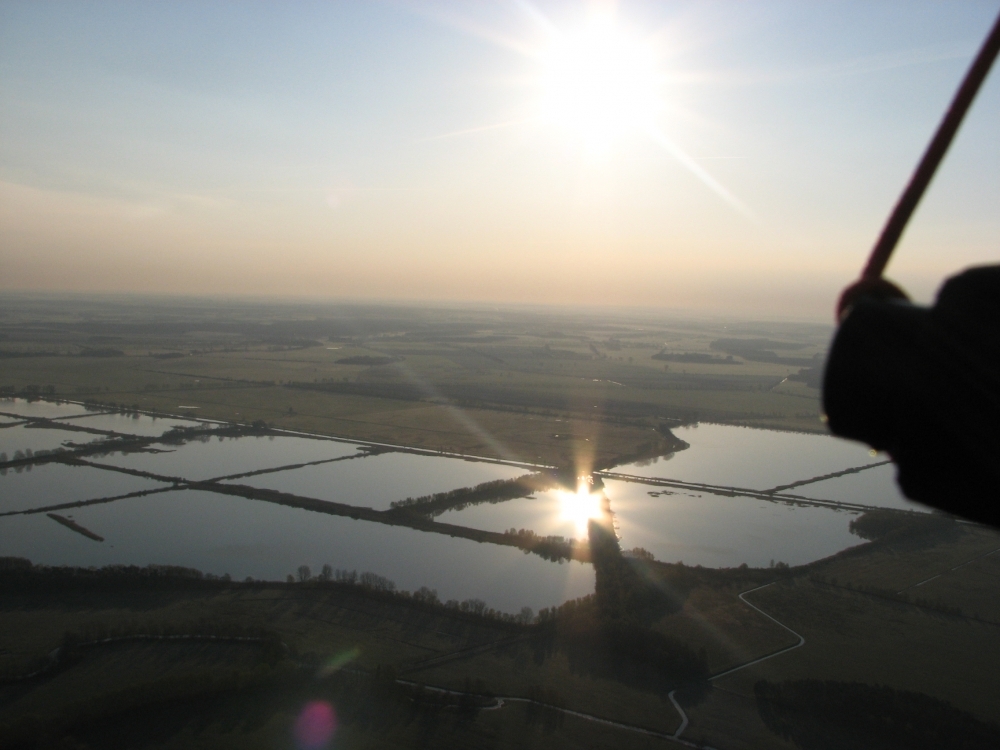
column 347, row 150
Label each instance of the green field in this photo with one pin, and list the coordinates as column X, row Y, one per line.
column 129, row 658
column 222, row 694
column 550, row 387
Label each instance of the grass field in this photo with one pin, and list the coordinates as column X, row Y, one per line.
column 557, row 388
column 916, row 609
column 252, row 696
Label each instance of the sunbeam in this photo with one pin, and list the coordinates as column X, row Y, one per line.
column 481, row 129
column 459, row 415
column 661, row 139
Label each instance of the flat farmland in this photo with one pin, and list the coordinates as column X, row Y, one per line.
column 542, row 387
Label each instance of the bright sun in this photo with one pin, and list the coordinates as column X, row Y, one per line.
column 599, row 83
column 579, row 507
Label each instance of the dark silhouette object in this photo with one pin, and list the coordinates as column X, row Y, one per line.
column 818, row 715
column 923, row 384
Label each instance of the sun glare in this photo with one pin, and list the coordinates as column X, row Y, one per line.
column 599, row 83
column 579, row 507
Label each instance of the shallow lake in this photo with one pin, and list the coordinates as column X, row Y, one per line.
column 40, row 409
column 753, row 459
column 698, row 528
column 131, row 424
column 54, row 483
column 215, row 456
column 221, row 534
column 549, row 513
column 23, row 437
column 875, row 486
column 377, row 481
column 703, row 529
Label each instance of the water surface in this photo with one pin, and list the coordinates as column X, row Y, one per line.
column 377, row 481
column 698, row 528
column 751, row 458
column 23, row 437
column 721, row 532
column 40, row 409
column 141, row 425
column 875, row 486
column 221, row 534
column 545, row 513
column 54, row 483
column 215, row 456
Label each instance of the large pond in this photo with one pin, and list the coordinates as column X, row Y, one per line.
column 41, row 409
column 54, row 484
column 742, row 457
column 130, row 424
column 24, row 437
column 377, row 481
column 750, row 458
column 211, row 457
column 714, row 531
column 220, row 534
column 223, row 534
column 874, row 486
column 676, row 525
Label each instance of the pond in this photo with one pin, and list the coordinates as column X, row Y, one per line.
column 41, row 409
column 874, row 486
column 695, row 527
column 723, row 532
column 131, row 424
column 750, row 458
column 24, row 437
column 54, row 483
column 220, row 534
column 377, row 481
column 210, row 457
column 548, row 513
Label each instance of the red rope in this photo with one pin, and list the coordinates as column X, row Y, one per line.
column 932, row 157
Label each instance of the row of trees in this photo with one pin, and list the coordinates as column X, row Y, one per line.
column 495, row 491
column 423, row 595
column 827, row 715
column 28, row 391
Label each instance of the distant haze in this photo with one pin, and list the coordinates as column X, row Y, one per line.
column 392, row 151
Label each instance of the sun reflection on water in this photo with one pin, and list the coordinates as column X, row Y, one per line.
column 579, row 507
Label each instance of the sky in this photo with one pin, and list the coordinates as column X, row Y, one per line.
column 725, row 157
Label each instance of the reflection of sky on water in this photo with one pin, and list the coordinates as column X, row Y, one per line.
column 42, row 409
column 132, row 424
column 719, row 531
column 221, row 534
column 549, row 513
column 54, row 483
column 242, row 537
column 377, row 481
column 217, row 456
column 21, row 437
column 875, row 486
column 755, row 459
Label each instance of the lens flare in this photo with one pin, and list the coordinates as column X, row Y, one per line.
column 580, row 507
column 315, row 726
column 336, row 663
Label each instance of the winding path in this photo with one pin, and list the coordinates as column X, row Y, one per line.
column 779, row 652
column 500, row 700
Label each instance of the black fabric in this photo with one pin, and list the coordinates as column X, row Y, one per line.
column 923, row 384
